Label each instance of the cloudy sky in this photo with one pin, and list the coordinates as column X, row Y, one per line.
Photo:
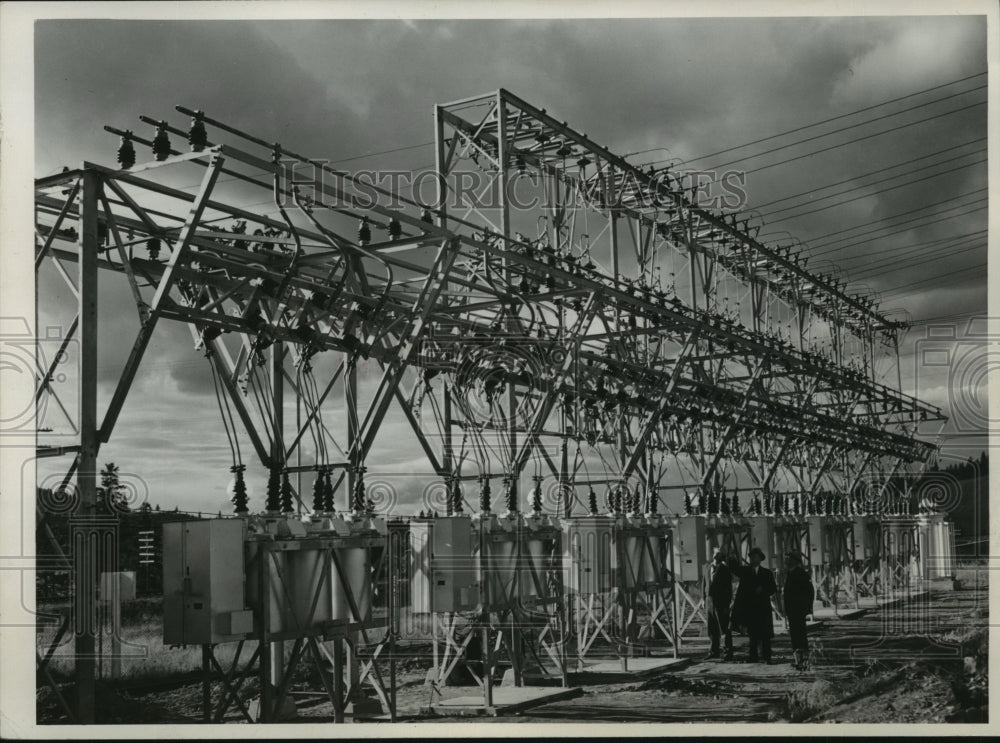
column 896, row 200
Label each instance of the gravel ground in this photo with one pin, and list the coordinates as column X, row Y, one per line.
column 922, row 662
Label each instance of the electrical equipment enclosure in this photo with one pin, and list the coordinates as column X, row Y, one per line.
column 689, row 548
column 762, row 535
column 203, row 590
column 442, row 566
column 819, row 541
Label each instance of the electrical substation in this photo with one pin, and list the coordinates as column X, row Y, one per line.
column 609, row 382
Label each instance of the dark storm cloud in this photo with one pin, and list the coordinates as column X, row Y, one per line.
column 93, row 72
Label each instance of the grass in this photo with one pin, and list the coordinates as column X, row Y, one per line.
column 146, row 658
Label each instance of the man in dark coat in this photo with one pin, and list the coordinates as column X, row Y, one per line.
column 717, row 588
column 798, row 595
column 752, row 607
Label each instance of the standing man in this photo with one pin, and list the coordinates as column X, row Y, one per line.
column 798, row 595
column 717, row 588
column 752, row 607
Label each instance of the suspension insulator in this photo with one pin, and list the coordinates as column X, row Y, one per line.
column 318, row 493
column 395, row 229
column 687, row 504
column 328, row 504
column 536, row 496
column 126, row 152
column 273, row 502
column 735, row 507
column 197, row 136
column 287, row 503
column 484, row 494
column 359, row 491
column 724, row 505
column 511, row 492
column 153, row 248
column 161, row 142
column 239, row 497
column 592, row 498
column 456, row 498
column 364, row 232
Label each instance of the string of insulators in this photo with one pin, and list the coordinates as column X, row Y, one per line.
column 239, row 499
column 273, row 501
column 652, row 502
column 736, row 505
column 197, row 136
column 779, row 504
column 126, row 152
column 510, row 488
column 687, row 504
column 724, row 505
column 318, row 493
column 161, row 142
column 637, row 499
column 449, row 502
column 364, row 232
column 359, row 491
column 456, row 497
column 287, row 504
column 395, row 229
column 328, row 504
column 536, row 495
column 484, row 494
column 592, row 498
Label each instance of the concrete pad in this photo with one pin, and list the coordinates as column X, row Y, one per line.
column 634, row 666
column 505, row 700
column 839, row 612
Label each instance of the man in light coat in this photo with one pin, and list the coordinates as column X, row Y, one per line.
column 717, row 588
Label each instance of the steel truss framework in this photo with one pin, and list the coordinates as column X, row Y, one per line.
column 619, row 319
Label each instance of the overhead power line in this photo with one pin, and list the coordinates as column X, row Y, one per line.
column 871, row 193
column 854, row 178
column 847, row 128
column 867, row 136
column 836, row 118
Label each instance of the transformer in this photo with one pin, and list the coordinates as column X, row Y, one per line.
column 936, row 546
column 203, row 589
column 643, row 552
column 588, row 553
column 442, row 568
